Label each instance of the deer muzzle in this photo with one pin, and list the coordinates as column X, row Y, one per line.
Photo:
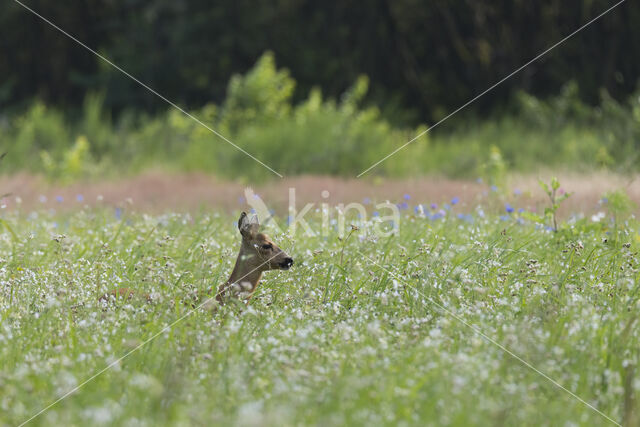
column 286, row 263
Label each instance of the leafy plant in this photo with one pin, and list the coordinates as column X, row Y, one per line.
column 620, row 207
column 495, row 168
column 556, row 196
column 262, row 95
column 75, row 161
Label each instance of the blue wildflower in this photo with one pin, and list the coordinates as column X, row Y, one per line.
column 80, row 197
column 118, row 213
column 455, row 200
column 59, row 199
column 407, row 197
column 508, row 208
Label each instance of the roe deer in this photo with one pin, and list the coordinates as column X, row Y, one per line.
column 257, row 254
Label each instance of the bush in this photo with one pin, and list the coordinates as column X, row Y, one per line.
column 323, row 136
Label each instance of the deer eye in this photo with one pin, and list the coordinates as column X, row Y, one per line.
column 267, row 246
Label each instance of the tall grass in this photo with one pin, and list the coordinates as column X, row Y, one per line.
column 353, row 334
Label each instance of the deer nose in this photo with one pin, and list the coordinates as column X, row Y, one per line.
column 288, row 262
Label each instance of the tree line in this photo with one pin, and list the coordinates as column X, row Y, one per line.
column 423, row 58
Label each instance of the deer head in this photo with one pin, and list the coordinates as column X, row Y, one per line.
column 257, row 254
column 258, row 249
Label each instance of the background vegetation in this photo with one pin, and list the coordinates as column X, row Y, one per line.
column 320, row 135
column 423, row 58
column 351, row 84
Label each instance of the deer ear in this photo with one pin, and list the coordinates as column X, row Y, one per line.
column 248, row 227
column 243, row 221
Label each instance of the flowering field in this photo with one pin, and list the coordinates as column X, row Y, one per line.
column 477, row 320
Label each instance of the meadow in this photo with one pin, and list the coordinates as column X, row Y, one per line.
column 130, row 133
column 362, row 330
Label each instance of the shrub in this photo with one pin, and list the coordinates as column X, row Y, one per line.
column 341, row 136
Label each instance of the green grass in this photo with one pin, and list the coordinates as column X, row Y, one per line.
column 327, row 342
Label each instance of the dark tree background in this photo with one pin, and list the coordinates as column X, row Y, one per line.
column 424, row 57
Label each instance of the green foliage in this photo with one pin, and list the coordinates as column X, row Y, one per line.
column 556, row 196
column 38, row 129
column 316, row 136
column 321, row 135
column 495, row 168
column 97, row 123
column 74, row 163
column 261, row 96
column 619, row 204
column 426, row 60
column 620, row 207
